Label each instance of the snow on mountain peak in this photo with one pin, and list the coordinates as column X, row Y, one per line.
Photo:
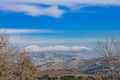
column 36, row 48
column 33, row 48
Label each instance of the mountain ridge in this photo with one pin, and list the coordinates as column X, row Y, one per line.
column 58, row 57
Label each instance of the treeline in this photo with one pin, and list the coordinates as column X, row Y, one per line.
column 46, row 77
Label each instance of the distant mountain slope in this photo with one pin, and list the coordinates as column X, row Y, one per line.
column 59, row 57
column 91, row 66
column 75, row 58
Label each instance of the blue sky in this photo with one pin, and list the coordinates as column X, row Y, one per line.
column 64, row 22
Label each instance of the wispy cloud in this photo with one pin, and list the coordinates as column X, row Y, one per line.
column 34, row 8
column 31, row 40
column 22, row 31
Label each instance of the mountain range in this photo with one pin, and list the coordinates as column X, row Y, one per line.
column 59, row 57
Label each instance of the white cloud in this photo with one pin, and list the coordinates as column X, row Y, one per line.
column 19, row 31
column 34, row 10
column 30, row 7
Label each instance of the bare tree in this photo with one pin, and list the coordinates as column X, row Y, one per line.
column 24, row 68
column 109, row 50
column 15, row 64
column 3, row 40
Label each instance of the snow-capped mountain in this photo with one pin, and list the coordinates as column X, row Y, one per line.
column 56, row 48
column 58, row 57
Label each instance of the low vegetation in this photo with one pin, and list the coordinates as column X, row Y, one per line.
column 72, row 77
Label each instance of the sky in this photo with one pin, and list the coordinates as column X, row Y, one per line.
column 63, row 22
